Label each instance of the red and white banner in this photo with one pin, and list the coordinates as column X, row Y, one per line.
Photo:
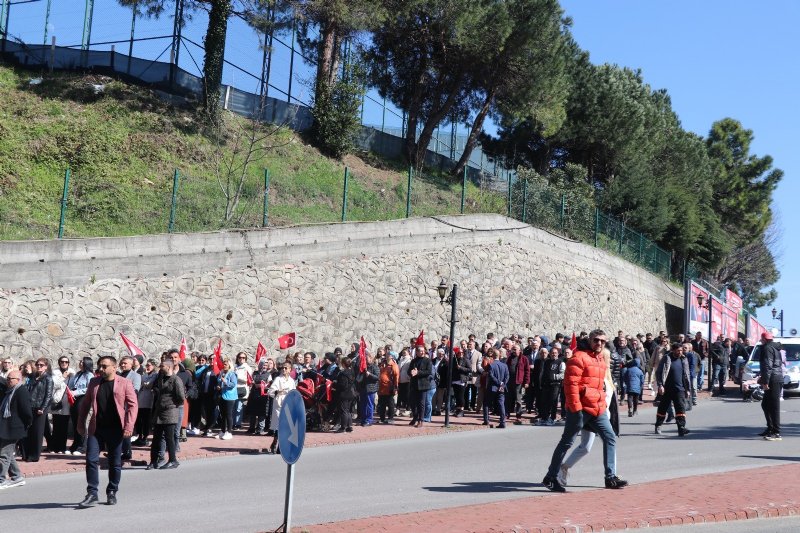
column 132, row 348
column 754, row 330
column 698, row 316
column 733, row 300
column 730, row 323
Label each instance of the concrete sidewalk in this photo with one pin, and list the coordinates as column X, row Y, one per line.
column 739, row 495
column 204, row 447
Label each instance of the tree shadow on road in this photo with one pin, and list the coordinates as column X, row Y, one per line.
column 490, row 486
column 773, row 457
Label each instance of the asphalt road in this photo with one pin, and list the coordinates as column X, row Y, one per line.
column 246, row 493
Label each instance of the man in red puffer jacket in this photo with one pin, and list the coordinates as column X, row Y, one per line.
column 586, row 406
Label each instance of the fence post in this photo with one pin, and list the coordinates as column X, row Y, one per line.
column 408, row 194
column 132, row 38
column 5, row 8
column 596, row 225
column 291, row 61
column 524, row 200
column 563, row 209
column 46, row 21
column 509, row 193
column 175, row 178
column 53, row 54
column 265, row 217
column 621, row 236
column 86, row 40
column 64, row 204
column 463, row 189
column 344, row 194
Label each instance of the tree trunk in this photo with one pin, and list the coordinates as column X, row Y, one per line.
column 326, row 72
column 215, row 57
column 472, row 140
column 434, row 120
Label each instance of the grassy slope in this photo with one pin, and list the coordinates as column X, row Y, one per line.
column 122, row 147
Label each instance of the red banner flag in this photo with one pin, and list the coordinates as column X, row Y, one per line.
column 362, row 355
column 287, row 341
column 132, row 348
column 182, row 351
column 216, row 364
column 249, row 379
column 260, row 352
column 574, row 342
column 421, row 339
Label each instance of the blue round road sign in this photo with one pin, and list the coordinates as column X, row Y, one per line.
column 292, row 427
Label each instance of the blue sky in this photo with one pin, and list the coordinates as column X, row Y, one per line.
column 717, row 58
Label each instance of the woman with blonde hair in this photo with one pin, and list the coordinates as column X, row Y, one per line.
column 226, row 385
column 587, row 435
column 278, row 390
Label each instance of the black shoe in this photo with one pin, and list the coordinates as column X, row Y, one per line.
column 764, row 433
column 614, row 482
column 111, row 498
column 553, row 485
column 348, row 429
column 170, row 465
column 501, row 426
column 683, row 432
column 773, row 437
column 340, row 430
column 152, row 466
column 669, row 419
column 484, row 423
column 89, row 501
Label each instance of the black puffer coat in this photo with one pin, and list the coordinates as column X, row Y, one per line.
column 41, row 392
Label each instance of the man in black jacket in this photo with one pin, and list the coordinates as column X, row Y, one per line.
column 15, row 417
column 420, row 370
column 771, row 379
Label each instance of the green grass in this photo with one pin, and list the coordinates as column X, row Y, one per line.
column 122, row 148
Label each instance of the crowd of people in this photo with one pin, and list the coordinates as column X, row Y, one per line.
column 114, row 405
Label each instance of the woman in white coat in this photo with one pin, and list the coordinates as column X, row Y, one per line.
column 278, row 390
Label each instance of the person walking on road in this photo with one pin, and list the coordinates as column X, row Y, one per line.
column 771, row 379
column 586, row 406
column 16, row 415
column 672, row 377
column 496, row 385
column 107, row 416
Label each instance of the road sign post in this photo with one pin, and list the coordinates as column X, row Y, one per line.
column 291, row 437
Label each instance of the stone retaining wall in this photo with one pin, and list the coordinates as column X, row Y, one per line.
column 330, row 284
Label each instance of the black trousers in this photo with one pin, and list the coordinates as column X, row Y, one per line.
column 386, row 403
column 403, row 391
column 32, row 445
column 209, row 410
column 345, row 413
column 58, row 439
column 458, row 395
column 676, row 398
column 77, row 438
column 226, row 414
column 167, row 432
column 548, row 406
column 143, row 421
column 771, row 404
column 418, row 404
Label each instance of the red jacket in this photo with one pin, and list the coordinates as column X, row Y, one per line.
column 583, row 383
column 523, row 374
column 124, row 398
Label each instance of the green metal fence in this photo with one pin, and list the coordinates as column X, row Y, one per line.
column 186, row 202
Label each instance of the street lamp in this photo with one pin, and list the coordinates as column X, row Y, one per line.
column 778, row 316
column 451, row 299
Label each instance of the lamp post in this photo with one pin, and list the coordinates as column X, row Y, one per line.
column 451, row 299
column 778, row 316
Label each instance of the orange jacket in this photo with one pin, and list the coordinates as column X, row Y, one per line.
column 583, row 383
column 389, row 378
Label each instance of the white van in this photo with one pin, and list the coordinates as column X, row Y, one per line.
column 791, row 374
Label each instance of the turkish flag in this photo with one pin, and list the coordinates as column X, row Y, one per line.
column 182, row 351
column 260, row 352
column 132, row 348
column 249, row 379
column 362, row 355
column 216, row 364
column 421, row 338
column 287, row 341
column 574, row 342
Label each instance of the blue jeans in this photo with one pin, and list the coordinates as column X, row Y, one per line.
column 719, row 374
column 700, row 373
column 428, row 404
column 111, row 440
column 367, row 405
column 494, row 399
column 237, row 413
column 600, row 425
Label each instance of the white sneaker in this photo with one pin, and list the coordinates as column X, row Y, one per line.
column 563, row 473
column 208, row 434
column 219, row 435
column 226, row 436
column 194, row 431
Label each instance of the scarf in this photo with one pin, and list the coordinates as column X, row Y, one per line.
column 5, row 408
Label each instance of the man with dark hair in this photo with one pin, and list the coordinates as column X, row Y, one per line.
column 169, row 395
column 672, row 377
column 126, row 371
column 586, row 406
column 771, row 379
column 106, row 416
column 16, row 414
column 700, row 347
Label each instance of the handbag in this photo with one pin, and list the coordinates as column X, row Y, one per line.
column 192, row 393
